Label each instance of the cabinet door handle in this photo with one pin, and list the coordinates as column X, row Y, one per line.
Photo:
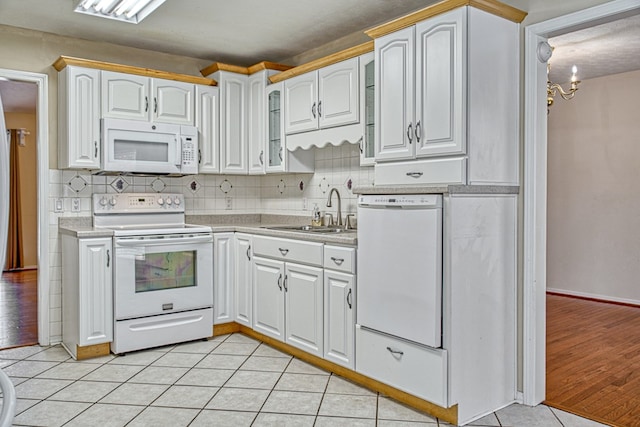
column 414, row 174
column 361, row 143
column 286, row 277
column 319, row 108
column 146, row 104
column 410, row 133
column 95, row 149
column 418, row 132
column 283, row 251
column 280, row 281
column 313, row 110
column 349, row 298
column 392, row 351
column 338, row 261
column 261, row 157
column 280, row 153
column 248, row 253
column 108, row 258
column 155, row 105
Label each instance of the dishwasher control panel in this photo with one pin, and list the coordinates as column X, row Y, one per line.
column 402, row 200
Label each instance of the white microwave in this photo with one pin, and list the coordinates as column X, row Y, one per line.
column 132, row 146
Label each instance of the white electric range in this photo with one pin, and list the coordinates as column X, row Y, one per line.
column 162, row 270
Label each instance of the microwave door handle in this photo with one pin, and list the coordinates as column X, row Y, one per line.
column 178, row 151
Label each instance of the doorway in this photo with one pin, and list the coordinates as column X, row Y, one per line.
column 19, row 266
column 32, row 286
column 536, row 184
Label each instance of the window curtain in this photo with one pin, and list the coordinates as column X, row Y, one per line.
column 15, row 244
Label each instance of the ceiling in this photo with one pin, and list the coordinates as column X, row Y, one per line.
column 244, row 32
column 597, row 51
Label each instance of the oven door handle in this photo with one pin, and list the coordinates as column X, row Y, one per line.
column 165, row 241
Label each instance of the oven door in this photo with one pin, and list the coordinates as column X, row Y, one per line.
column 162, row 274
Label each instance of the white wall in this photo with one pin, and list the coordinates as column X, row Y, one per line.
column 593, row 246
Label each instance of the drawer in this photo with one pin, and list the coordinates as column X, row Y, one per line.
column 431, row 171
column 418, row 370
column 340, row 258
column 288, row 250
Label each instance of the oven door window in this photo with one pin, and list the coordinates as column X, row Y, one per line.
column 165, row 270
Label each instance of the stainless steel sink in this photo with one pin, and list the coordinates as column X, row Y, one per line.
column 310, row 229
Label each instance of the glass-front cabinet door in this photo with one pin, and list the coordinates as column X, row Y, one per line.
column 275, row 129
column 367, row 91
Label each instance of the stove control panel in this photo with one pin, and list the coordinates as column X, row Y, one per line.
column 138, row 203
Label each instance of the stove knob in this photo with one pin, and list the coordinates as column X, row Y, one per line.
column 112, row 201
column 160, row 201
column 169, row 201
column 103, row 201
column 176, row 201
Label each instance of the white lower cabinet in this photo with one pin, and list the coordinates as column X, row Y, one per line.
column 87, row 294
column 339, row 318
column 223, row 278
column 243, row 292
column 288, row 295
column 339, row 305
column 418, row 370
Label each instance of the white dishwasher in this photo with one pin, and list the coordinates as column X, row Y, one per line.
column 400, row 266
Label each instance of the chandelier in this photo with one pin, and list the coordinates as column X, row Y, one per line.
column 554, row 89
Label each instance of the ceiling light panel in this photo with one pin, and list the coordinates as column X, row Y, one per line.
column 132, row 11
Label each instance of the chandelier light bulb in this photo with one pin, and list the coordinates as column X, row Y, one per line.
column 574, row 70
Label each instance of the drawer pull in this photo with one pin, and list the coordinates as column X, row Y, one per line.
column 283, row 251
column 392, row 351
column 414, row 174
column 280, row 281
column 338, row 261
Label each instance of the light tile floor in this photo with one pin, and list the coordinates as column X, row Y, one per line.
column 231, row 380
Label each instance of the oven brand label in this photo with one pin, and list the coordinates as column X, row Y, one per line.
column 167, row 306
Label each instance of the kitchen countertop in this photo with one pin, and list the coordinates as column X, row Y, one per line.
column 81, row 227
column 436, row 189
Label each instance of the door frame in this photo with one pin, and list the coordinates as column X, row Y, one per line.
column 535, row 184
column 42, row 143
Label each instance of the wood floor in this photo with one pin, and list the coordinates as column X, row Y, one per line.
column 18, row 308
column 593, row 359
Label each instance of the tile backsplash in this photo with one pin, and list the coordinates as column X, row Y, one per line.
column 290, row 194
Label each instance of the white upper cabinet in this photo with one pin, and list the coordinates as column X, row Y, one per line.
column 440, row 110
column 394, row 106
column 173, row 101
column 256, row 128
column 129, row 96
column 420, row 110
column 321, row 99
column 233, row 123
column 367, row 107
column 277, row 157
column 125, row 96
column 339, row 94
column 79, row 118
column 301, row 101
column 208, row 124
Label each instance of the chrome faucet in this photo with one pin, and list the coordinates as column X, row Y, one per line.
column 339, row 213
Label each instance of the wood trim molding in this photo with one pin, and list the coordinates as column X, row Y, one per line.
column 90, row 351
column 491, row 6
column 343, row 55
column 260, row 66
column 65, row 61
column 447, row 414
column 225, row 328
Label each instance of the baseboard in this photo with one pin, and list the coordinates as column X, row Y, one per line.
column 446, row 414
column 594, row 297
